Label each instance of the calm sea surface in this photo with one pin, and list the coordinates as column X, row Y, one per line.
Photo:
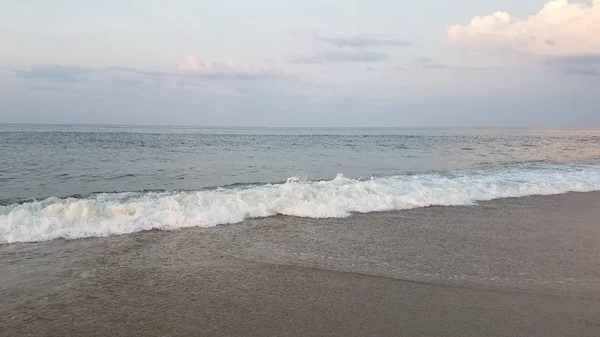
column 44, row 161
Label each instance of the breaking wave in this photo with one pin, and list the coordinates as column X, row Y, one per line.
column 105, row 214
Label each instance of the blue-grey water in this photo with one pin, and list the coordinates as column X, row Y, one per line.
column 524, row 265
column 79, row 181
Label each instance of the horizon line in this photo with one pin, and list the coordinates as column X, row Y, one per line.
column 299, row 127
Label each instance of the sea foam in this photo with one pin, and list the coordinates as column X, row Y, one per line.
column 107, row 214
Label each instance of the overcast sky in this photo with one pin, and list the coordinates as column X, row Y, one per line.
column 301, row 62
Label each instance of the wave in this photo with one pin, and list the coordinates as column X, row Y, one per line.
column 105, row 214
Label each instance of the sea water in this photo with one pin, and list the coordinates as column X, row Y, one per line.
column 76, row 181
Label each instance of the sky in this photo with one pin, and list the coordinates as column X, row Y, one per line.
column 308, row 63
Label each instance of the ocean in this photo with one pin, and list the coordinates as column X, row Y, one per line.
column 184, row 231
column 78, row 181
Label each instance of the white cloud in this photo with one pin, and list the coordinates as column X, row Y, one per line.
column 560, row 29
column 230, row 68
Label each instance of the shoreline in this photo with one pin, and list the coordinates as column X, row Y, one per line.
column 356, row 276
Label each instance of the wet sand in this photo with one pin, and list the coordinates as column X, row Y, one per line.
column 513, row 267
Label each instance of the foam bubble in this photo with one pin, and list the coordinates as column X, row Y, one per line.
column 120, row 213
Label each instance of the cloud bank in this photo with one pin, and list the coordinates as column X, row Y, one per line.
column 560, row 29
column 349, row 48
column 191, row 68
column 57, row 73
column 363, row 41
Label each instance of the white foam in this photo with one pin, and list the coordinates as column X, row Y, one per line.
column 121, row 213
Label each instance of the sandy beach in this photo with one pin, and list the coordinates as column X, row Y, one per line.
column 299, row 168
column 512, row 267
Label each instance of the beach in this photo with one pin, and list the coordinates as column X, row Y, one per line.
column 511, row 267
column 300, row 168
